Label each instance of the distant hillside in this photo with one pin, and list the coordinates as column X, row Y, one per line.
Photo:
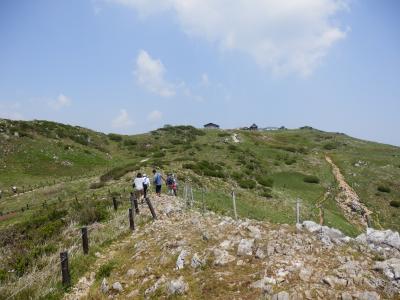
column 66, row 178
column 277, row 166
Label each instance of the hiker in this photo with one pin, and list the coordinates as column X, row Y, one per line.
column 146, row 184
column 157, row 179
column 175, row 185
column 171, row 184
column 14, row 189
column 138, row 186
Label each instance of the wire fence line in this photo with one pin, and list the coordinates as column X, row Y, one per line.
column 7, row 192
column 234, row 203
column 225, row 200
column 49, row 274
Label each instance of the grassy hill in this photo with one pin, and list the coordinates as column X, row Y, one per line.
column 67, row 175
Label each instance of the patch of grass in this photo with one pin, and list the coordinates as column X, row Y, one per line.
column 117, row 172
column 89, row 211
column 330, row 146
column 105, row 270
column 223, row 134
column 97, row 185
column 247, row 183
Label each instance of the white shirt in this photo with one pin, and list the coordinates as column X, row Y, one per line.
column 146, row 180
column 138, row 182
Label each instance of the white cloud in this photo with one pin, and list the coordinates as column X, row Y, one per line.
column 154, row 116
column 122, row 120
column 283, row 36
column 61, row 102
column 150, row 74
column 204, row 79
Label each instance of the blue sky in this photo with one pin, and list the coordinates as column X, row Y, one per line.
column 130, row 66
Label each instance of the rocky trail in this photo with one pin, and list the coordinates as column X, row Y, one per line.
column 354, row 210
column 187, row 255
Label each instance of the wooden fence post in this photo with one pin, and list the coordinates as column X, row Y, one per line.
column 234, row 204
column 191, row 197
column 66, row 278
column 369, row 225
column 297, row 211
column 202, row 201
column 115, row 204
column 131, row 219
column 85, row 240
column 134, row 203
column 153, row 213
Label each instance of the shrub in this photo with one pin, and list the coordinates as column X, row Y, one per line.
column 265, row 181
column 232, row 148
column 205, row 168
column 117, row 172
column 115, row 137
column 383, row 189
column 311, row 179
column 247, row 183
column 266, row 193
column 223, row 134
column 3, row 275
column 290, row 161
column 130, row 142
column 90, row 211
column 159, row 154
column 105, row 270
column 395, row 203
column 97, row 185
column 330, row 146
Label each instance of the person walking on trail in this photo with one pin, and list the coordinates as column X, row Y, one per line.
column 175, row 185
column 138, row 186
column 157, row 180
column 171, row 184
column 146, row 185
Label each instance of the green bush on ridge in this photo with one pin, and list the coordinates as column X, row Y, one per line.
column 395, row 203
column 311, row 179
column 384, row 189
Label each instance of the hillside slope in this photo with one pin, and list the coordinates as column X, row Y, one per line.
column 189, row 255
column 275, row 167
column 67, row 176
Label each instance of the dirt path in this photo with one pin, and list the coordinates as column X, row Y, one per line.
column 82, row 287
column 355, row 211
